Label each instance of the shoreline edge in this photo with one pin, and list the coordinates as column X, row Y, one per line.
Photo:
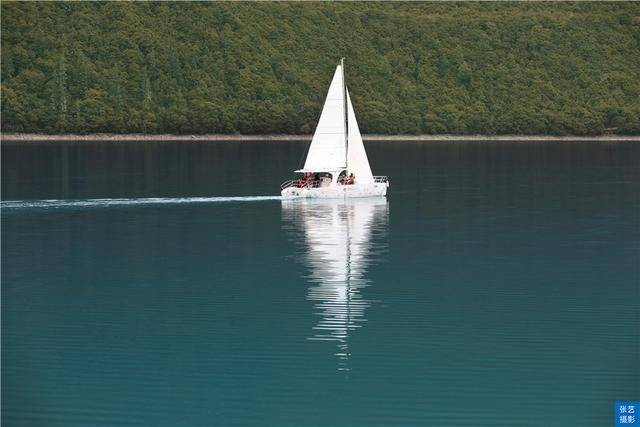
column 36, row 137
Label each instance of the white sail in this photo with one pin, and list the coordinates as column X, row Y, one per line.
column 357, row 160
column 327, row 150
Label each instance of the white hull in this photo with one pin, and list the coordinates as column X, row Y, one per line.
column 337, row 191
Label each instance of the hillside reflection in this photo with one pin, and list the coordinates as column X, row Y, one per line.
column 341, row 239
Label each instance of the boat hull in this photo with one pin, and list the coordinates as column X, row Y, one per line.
column 336, row 191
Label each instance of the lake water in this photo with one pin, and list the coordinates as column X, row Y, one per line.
column 498, row 284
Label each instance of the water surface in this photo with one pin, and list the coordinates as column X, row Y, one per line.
column 497, row 285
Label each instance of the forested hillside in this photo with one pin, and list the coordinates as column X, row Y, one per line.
column 193, row 67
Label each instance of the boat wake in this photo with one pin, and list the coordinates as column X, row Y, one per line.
column 105, row 203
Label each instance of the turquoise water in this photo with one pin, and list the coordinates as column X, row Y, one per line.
column 497, row 285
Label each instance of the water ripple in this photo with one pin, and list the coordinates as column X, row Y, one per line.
column 106, row 203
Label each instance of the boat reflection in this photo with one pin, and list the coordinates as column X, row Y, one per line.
column 342, row 237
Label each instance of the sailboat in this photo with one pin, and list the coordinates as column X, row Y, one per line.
column 336, row 165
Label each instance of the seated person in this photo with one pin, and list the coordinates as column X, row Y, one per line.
column 351, row 180
column 325, row 181
column 304, row 181
column 342, row 179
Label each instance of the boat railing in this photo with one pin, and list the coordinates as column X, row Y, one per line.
column 300, row 183
column 288, row 183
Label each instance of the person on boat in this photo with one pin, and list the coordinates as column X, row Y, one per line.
column 342, row 179
column 302, row 182
column 326, row 180
column 351, row 180
column 316, row 180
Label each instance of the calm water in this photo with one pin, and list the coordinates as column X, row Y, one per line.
column 498, row 285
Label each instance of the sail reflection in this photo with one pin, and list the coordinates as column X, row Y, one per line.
column 342, row 237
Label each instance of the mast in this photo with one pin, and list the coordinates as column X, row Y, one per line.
column 346, row 115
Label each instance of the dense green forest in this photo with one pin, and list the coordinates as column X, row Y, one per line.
column 199, row 67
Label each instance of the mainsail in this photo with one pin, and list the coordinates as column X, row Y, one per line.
column 328, row 151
